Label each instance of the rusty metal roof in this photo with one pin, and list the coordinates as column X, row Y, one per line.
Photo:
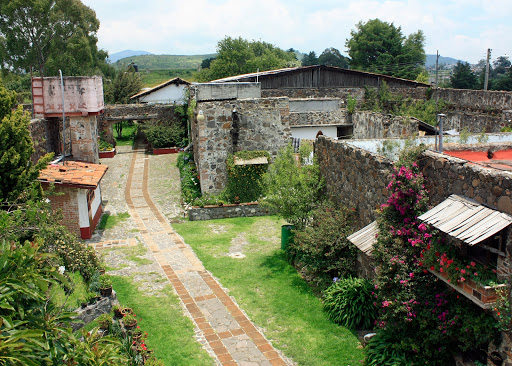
column 365, row 238
column 466, row 219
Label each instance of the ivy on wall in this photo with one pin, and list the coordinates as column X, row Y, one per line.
column 244, row 181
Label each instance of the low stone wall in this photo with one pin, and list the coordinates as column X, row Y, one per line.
column 226, row 211
column 317, row 118
column 371, row 125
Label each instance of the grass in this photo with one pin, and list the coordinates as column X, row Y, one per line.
column 156, row 77
column 109, row 221
column 126, row 138
column 170, row 333
column 270, row 290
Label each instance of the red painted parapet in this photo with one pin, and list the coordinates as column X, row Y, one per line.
column 83, row 95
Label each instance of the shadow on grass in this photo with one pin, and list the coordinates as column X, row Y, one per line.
column 279, row 266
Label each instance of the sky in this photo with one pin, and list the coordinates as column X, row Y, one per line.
column 462, row 29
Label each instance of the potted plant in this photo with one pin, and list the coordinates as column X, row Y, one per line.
column 105, row 321
column 129, row 321
column 126, row 311
column 105, row 285
column 106, row 150
column 116, row 309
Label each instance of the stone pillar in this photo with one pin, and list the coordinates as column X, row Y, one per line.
column 84, row 138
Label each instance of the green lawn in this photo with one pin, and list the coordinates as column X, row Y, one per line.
column 126, row 137
column 170, row 333
column 270, row 290
column 155, row 77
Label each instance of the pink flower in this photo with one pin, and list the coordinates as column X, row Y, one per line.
column 473, row 264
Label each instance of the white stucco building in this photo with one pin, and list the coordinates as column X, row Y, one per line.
column 170, row 92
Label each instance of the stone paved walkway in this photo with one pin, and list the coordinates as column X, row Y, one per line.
column 231, row 336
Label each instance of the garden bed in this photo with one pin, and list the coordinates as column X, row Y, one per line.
column 166, row 150
column 226, row 211
column 483, row 296
column 107, row 154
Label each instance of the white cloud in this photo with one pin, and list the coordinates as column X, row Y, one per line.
column 457, row 28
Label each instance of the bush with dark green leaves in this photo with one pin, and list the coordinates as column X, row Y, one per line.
column 322, row 248
column 382, row 351
column 166, row 136
column 351, row 302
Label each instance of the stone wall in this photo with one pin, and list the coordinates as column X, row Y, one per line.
column 371, row 125
column 231, row 126
column 315, row 118
column 354, row 177
column 226, row 211
column 45, row 137
column 144, row 113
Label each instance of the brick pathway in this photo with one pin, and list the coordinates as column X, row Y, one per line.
column 230, row 334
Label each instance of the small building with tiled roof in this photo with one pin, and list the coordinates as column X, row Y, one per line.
column 76, row 192
column 170, row 92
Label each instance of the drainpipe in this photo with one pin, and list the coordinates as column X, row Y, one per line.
column 63, row 119
column 441, row 117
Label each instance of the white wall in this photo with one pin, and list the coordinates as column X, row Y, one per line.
column 310, row 132
column 169, row 94
column 83, row 212
column 96, row 201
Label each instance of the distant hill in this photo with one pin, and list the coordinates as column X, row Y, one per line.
column 431, row 60
column 126, row 53
column 163, row 62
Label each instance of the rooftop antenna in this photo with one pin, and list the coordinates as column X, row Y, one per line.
column 63, row 119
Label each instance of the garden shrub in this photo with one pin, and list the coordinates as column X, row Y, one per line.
column 244, row 181
column 166, row 136
column 293, row 188
column 35, row 221
column 322, row 248
column 382, row 351
column 190, row 187
column 351, row 302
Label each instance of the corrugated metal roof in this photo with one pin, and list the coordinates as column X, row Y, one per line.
column 365, row 238
column 466, row 219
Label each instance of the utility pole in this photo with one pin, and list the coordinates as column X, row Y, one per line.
column 437, row 93
column 486, row 82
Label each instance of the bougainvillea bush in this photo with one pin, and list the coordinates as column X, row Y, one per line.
column 423, row 320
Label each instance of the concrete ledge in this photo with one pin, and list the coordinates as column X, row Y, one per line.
column 226, row 211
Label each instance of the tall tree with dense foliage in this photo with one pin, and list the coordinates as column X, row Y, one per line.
column 126, row 84
column 17, row 173
column 381, row 47
column 463, row 77
column 332, row 57
column 50, row 35
column 310, row 59
column 236, row 56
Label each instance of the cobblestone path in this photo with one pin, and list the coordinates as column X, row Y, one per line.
column 231, row 336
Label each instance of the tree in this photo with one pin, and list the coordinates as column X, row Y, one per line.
column 17, row 173
column 310, row 59
column 206, row 62
column 333, row 57
column 293, row 191
column 50, row 35
column 126, row 84
column 463, row 77
column 237, row 56
column 501, row 65
column 381, row 47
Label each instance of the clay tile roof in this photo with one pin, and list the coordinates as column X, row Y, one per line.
column 74, row 174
